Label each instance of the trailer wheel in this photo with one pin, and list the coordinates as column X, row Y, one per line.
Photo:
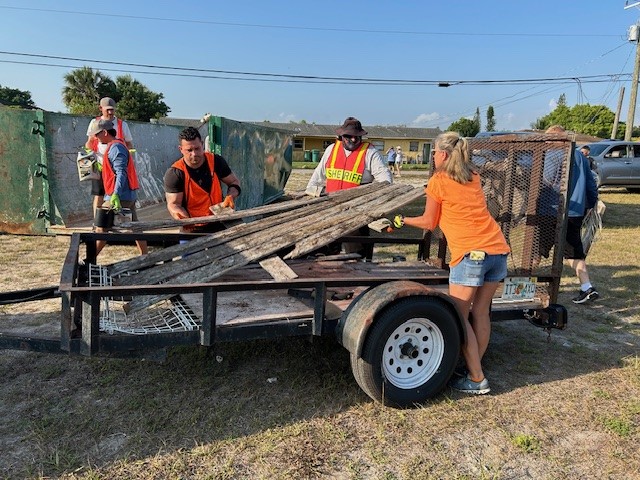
column 410, row 352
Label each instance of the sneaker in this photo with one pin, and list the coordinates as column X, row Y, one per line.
column 466, row 385
column 586, row 295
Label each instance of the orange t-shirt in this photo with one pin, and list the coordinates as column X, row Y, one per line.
column 464, row 217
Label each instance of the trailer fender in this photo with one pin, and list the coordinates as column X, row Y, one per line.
column 358, row 318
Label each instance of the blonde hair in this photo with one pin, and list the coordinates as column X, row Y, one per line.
column 458, row 165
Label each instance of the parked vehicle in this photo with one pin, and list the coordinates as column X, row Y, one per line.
column 617, row 163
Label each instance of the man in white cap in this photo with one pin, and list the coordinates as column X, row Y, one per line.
column 108, row 112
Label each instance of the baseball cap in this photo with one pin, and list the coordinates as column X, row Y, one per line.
column 108, row 102
column 101, row 125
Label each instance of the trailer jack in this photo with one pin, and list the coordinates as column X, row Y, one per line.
column 554, row 316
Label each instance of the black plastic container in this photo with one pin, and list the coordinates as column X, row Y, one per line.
column 104, row 218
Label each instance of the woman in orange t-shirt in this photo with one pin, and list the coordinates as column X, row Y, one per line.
column 456, row 203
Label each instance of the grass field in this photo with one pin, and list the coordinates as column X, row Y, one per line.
column 563, row 406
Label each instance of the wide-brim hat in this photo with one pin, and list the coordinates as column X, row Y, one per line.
column 351, row 126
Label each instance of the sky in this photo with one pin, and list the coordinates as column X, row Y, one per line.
column 321, row 61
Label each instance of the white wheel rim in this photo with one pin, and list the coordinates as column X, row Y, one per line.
column 413, row 353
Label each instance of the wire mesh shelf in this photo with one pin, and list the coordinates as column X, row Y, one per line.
column 172, row 315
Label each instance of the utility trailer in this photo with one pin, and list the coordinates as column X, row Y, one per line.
column 394, row 316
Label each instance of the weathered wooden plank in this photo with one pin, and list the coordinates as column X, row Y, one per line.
column 218, row 217
column 263, row 232
column 215, row 263
column 278, row 269
column 212, row 263
column 267, row 237
column 209, row 241
column 238, row 215
column 352, row 220
column 216, row 268
column 269, row 240
column 165, row 271
column 259, row 232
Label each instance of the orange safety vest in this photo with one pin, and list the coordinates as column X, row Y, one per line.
column 109, row 176
column 197, row 200
column 345, row 171
column 93, row 141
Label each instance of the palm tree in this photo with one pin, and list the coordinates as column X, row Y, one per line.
column 84, row 88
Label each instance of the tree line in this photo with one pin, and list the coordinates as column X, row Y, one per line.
column 83, row 89
column 594, row 120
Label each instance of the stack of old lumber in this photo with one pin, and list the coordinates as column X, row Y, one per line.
column 305, row 224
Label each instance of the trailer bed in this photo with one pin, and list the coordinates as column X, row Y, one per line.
column 310, row 303
column 256, row 306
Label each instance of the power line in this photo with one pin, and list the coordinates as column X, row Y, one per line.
column 535, row 91
column 296, row 27
column 211, row 77
column 287, row 78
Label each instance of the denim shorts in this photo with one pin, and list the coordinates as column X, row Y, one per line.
column 473, row 273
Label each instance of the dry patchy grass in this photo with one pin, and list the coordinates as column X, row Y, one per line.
column 561, row 407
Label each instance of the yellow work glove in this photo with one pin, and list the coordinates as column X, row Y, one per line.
column 115, row 202
column 97, row 166
column 398, row 221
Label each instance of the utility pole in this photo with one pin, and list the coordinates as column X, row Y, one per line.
column 634, row 36
column 634, row 89
column 616, row 119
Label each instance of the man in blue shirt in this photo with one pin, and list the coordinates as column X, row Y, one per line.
column 118, row 176
column 583, row 195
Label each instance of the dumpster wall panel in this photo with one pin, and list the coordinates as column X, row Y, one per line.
column 158, row 150
column 22, row 172
column 260, row 157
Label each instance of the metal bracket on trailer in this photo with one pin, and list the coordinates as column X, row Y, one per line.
column 554, row 316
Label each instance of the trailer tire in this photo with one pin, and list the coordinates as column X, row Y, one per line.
column 410, row 352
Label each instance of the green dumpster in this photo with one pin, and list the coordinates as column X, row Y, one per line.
column 307, row 155
column 315, row 155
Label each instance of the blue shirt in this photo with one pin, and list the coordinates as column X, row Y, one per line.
column 119, row 159
column 583, row 191
column 391, row 156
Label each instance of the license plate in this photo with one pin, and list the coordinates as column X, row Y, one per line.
column 519, row 288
